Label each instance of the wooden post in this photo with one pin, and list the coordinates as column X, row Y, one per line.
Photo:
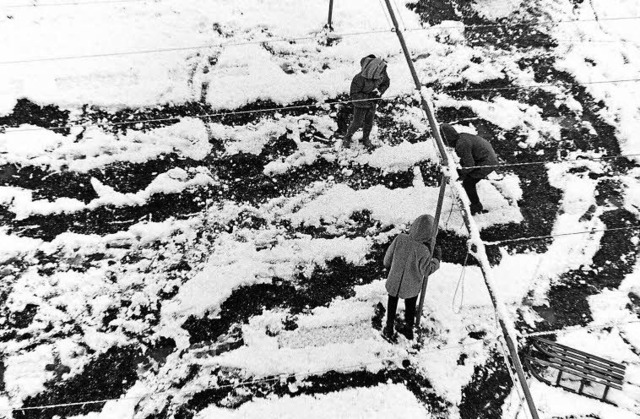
column 443, row 186
column 329, row 23
column 479, row 252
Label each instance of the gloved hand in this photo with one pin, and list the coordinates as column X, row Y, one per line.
column 437, row 253
column 375, row 94
column 461, row 175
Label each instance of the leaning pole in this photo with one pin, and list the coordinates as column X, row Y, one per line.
column 477, row 245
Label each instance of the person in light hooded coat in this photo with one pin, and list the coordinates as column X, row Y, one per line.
column 410, row 261
column 367, row 86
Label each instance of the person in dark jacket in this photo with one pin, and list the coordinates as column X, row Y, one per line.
column 473, row 151
column 367, row 86
column 410, row 261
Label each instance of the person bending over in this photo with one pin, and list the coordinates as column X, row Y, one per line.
column 473, row 151
column 367, row 86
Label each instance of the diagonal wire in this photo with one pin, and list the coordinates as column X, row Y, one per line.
column 384, row 12
column 228, row 44
column 186, row 48
column 204, row 116
column 349, row 368
column 538, row 86
column 311, row 105
column 551, row 236
column 404, row 26
column 576, row 160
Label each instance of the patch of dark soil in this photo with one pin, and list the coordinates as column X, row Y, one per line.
column 108, row 376
column 393, row 131
column 124, row 177
column 336, row 279
column 485, row 90
column 483, row 32
column 136, row 119
column 436, row 12
column 430, row 174
column 614, row 260
column 244, row 303
column 454, row 247
column 355, row 176
column 540, row 201
column 538, row 206
column 23, row 319
column 109, row 219
column 490, row 385
column 617, row 254
column 7, row 172
column 522, row 37
column 331, row 382
column 161, row 349
column 243, row 178
column 478, row 335
column 27, row 112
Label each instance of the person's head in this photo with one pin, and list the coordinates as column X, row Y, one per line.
column 449, row 135
column 422, row 228
column 372, row 67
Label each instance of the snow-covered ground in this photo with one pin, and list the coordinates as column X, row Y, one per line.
column 203, row 267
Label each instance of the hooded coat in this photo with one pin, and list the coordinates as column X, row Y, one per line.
column 373, row 75
column 472, row 150
column 408, row 257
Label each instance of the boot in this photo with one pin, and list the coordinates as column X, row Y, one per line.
column 346, row 142
column 407, row 328
column 368, row 144
column 389, row 334
column 407, row 331
column 477, row 209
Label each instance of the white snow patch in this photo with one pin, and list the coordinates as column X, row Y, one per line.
column 383, row 401
column 401, row 157
column 26, row 373
column 30, row 145
column 175, row 180
column 399, row 206
column 509, row 115
column 239, row 263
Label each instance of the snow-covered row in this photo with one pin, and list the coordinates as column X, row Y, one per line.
column 20, row 201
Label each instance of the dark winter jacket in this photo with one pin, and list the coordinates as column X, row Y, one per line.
column 373, row 77
column 408, row 257
column 472, row 150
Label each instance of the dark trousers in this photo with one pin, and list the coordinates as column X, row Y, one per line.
column 469, row 184
column 362, row 118
column 409, row 310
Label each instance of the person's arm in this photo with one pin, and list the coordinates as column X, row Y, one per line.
column 385, row 83
column 463, row 150
column 434, row 263
column 357, row 85
column 388, row 257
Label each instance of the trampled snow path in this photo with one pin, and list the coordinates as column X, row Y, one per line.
column 271, row 265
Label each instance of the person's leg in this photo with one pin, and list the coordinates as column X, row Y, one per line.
column 410, row 311
column 357, row 122
column 368, row 126
column 392, row 306
column 469, row 185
